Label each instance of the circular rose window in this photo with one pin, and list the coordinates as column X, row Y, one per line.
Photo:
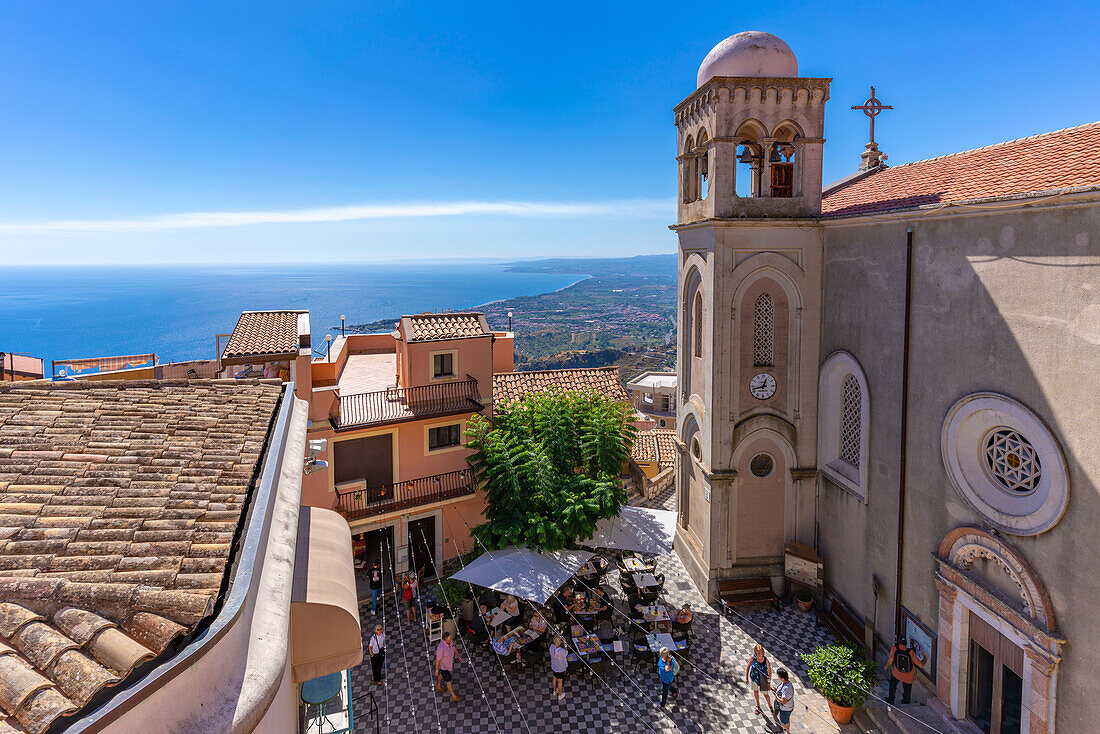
column 1005, row 463
column 1012, row 461
column 761, row 465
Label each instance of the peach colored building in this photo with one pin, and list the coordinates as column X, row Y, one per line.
column 390, row 410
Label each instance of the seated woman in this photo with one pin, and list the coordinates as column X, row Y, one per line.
column 683, row 615
column 505, row 645
column 537, row 623
column 510, row 605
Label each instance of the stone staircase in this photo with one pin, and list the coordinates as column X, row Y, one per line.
column 875, row 717
column 634, row 494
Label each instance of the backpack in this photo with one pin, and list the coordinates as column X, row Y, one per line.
column 758, row 670
column 903, row 661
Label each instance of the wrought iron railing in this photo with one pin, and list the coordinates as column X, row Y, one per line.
column 405, row 403
column 358, row 503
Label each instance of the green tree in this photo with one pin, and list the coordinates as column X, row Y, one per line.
column 550, row 465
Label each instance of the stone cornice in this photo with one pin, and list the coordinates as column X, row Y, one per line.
column 710, row 89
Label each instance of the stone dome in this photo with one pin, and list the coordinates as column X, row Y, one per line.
column 751, row 53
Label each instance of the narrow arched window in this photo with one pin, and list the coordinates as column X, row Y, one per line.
column 763, row 332
column 851, row 413
column 697, row 324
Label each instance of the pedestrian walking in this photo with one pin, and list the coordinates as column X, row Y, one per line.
column 902, row 664
column 559, row 663
column 374, row 575
column 784, row 696
column 445, row 655
column 667, row 668
column 408, row 596
column 758, row 675
column 377, row 649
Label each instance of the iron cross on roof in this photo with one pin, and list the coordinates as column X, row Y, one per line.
column 872, row 108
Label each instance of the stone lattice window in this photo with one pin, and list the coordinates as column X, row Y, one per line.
column 697, row 325
column 763, row 332
column 1012, row 461
column 850, row 421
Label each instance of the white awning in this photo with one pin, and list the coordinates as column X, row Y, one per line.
column 636, row 529
column 325, row 636
column 522, row 572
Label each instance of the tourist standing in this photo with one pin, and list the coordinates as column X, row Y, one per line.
column 445, row 655
column 377, row 649
column 784, row 696
column 374, row 575
column 667, row 668
column 902, row 664
column 408, row 595
column 559, row 663
column 758, row 675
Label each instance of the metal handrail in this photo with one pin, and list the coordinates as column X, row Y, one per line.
column 402, row 403
column 364, row 502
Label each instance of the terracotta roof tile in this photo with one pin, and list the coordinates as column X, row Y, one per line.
column 106, row 553
column 263, row 333
column 439, row 326
column 657, row 444
column 509, row 386
column 1064, row 159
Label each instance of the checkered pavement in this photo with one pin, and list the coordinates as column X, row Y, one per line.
column 713, row 695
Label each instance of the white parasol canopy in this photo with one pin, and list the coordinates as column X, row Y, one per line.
column 636, row 529
column 522, row 572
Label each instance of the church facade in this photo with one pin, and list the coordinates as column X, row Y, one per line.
column 902, row 371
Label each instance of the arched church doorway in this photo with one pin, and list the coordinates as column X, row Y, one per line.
column 998, row 648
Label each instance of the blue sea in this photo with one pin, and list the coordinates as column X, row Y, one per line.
column 68, row 312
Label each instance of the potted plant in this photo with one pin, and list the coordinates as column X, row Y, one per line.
column 843, row 676
column 805, row 600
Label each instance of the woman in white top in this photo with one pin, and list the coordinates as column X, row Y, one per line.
column 377, row 649
column 784, row 696
column 559, row 663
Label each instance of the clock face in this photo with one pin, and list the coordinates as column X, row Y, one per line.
column 762, row 386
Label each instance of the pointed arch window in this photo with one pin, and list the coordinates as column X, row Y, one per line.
column 763, row 332
column 850, row 417
column 697, row 324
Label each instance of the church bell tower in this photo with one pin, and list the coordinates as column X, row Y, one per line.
column 749, row 160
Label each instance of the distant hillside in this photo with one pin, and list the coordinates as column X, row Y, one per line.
column 623, row 314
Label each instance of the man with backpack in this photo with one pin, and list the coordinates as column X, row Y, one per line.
column 902, row 664
column 667, row 668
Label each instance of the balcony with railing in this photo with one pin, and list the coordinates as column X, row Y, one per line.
column 363, row 502
column 407, row 403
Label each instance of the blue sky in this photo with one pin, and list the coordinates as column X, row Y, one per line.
column 366, row 131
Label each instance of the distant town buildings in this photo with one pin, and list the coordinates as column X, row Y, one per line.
column 654, row 396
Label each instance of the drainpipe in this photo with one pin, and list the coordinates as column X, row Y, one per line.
column 904, row 425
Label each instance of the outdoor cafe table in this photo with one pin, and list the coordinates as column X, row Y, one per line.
column 645, row 581
column 633, row 565
column 587, row 645
column 590, row 568
column 654, row 613
column 522, row 636
column 317, row 692
column 663, row 639
column 499, row 617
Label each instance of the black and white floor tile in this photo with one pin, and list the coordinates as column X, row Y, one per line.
column 713, row 695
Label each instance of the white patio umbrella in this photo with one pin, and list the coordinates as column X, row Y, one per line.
column 523, row 572
column 636, row 529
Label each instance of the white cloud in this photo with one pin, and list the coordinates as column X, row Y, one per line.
column 193, row 220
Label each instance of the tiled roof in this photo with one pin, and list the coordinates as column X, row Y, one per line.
column 656, row 445
column 438, row 326
column 514, row 385
column 118, row 507
column 1064, row 159
column 263, row 332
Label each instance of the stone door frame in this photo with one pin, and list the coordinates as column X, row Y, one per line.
column 1027, row 622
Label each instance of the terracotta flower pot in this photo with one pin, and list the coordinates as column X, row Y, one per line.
column 805, row 605
column 841, row 714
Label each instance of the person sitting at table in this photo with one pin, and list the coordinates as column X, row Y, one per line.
column 479, row 625
column 505, row 644
column 683, row 615
column 537, row 623
column 561, row 604
column 603, row 604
